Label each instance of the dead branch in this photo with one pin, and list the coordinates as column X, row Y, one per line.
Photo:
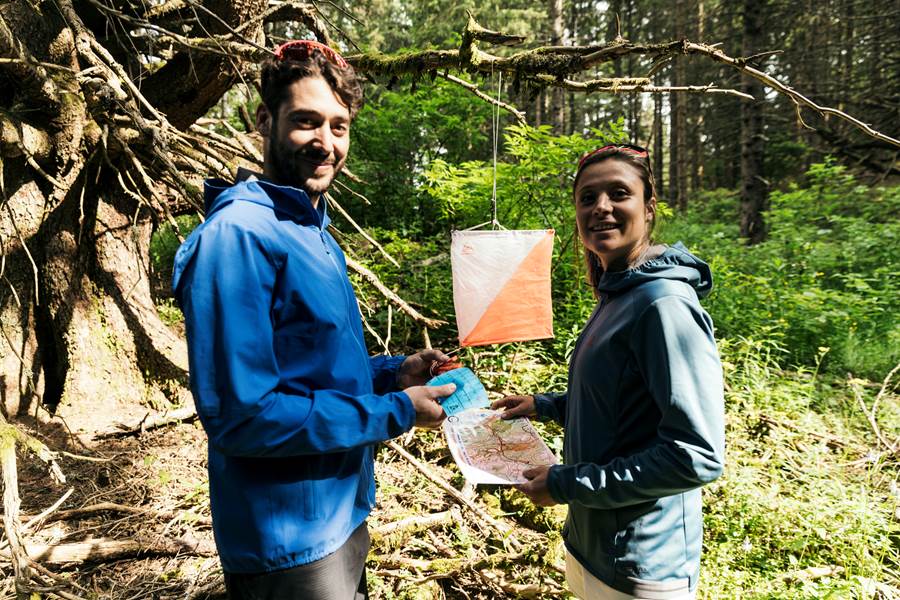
column 505, row 529
column 107, row 550
column 870, row 414
column 518, row 114
column 548, row 65
column 11, row 502
column 292, row 11
column 330, row 199
column 413, row 524
column 347, row 188
column 639, row 85
column 59, row 579
column 390, row 295
column 42, row 518
column 830, row 440
column 242, row 138
column 445, row 567
column 181, row 415
column 797, row 98
column 105, row 507
column 9, row 432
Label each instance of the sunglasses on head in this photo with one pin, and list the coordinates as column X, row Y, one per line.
column 638, row 151
column 303, row 49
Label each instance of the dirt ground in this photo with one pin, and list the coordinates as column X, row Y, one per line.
column 144, row 529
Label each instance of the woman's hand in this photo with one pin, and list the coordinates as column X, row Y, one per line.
column 515, row 406
column 536, row 486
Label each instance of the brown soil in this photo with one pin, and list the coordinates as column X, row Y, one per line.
column 164, row 472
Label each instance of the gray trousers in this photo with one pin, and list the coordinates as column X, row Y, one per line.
column 339, row 576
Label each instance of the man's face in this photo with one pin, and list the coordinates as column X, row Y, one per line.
column 306, row 143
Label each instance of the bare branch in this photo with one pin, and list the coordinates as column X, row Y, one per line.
column 631, row 85
column 292, row 11
column 798, row 98
column 518, row 114
column 477, row 32
column 390, row 295
column 370, row 239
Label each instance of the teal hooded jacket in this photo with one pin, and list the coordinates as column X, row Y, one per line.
column 284, row 387
column 644, row 427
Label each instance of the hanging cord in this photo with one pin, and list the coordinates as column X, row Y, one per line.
column 495, row 122
column 495, row 131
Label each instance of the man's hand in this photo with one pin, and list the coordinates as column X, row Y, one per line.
column 536, row 486
column 515, row 406
column 429, row 413
column 415, row 369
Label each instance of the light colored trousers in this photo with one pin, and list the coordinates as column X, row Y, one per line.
column 587, row 587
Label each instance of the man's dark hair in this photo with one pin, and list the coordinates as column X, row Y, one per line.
column 277, row 75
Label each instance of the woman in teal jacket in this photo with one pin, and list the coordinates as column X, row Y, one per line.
column 643, row 413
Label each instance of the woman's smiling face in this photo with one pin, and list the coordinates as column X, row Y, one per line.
column 613, row 218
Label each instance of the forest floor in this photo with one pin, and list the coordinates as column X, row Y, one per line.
column 142, row 528
column 808, row 507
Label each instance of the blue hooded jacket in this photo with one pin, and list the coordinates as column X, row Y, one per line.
column 644, row 428
column 283, row 384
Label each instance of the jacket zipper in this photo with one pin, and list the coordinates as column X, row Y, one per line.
column 578, row 346
column 338, row 271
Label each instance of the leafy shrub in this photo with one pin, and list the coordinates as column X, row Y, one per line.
column 825, row 277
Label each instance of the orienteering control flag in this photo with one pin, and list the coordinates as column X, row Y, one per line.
column 501, row 285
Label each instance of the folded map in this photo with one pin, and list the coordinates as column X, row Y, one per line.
column 488, row 449
column 469, row 391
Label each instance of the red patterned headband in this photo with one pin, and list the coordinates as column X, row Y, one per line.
column 303, row 49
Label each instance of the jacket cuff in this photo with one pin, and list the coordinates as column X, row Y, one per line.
column 544, row 407
column 385, row 373
column 409, row 412
column 555, row 486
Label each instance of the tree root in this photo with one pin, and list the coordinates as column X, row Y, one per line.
column 148, row 423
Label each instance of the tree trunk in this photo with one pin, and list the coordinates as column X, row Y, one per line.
column 79, row 333
column 635, row 101
column 616, row 106
column 678, row 119
column 753, row 184
column 658, row 137
column 695, row 110
column 557, row 95
column 86, row 342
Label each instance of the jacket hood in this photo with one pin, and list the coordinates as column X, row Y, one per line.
column 675, row 263
column 218, row 193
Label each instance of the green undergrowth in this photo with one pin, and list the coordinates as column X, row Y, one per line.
column 808, row 504
column 807, row 507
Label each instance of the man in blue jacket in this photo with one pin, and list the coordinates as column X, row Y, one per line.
column 285, row 389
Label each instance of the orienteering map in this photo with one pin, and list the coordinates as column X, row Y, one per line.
column 488, row 449
column 469, row 392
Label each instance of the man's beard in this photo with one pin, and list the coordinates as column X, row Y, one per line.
column 296, row 167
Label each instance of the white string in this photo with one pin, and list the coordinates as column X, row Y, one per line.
column 495, row 126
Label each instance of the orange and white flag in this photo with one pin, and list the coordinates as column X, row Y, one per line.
column 501, row 285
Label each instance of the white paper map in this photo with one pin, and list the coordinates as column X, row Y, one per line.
column 488, row 449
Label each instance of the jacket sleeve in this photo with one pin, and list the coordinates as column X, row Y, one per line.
column 552, row 405
column 675, row 351
column 384, row 372
column 226, row 294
